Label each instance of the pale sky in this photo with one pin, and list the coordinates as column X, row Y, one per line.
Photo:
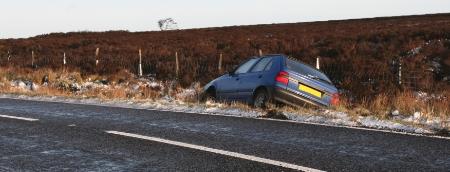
column 25, row 18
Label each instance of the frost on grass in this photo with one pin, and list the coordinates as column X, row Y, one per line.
column 319, row 117
column 330, row 117
column 185, row 100
column 372, row 122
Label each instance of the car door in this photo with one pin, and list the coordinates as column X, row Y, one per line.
column 252, row 79
column 228, row 86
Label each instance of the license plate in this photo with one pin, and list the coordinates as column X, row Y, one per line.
column 310, row 90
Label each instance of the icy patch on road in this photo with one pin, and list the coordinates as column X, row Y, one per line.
column 328, row 117
column 163, row 104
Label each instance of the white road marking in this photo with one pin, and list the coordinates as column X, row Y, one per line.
column 19, row 118
column 217, row 151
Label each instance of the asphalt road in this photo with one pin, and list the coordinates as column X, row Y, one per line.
column 72, row 137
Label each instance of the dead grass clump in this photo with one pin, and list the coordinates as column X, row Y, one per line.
column 75, row 77
column 9, row 74
column 344, row 104
column 380, row 105
column 26, row 74
column 5, row 88
column 191, row 94
column 92, row 78
column 296, row 109
column 437, row 108
column 50, row 91
column 149, row 93
column 107, row 94
column 36, row 76
column 116, row 93
column 5, row 74
column 242, row 106
column 121, row 77
column 93, row 93
column 407, row 103
column 360, row 111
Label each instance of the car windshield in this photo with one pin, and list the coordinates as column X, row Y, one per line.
column 306, row 70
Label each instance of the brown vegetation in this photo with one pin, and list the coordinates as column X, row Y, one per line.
column 360, row 56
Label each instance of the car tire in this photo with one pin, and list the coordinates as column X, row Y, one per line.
column 261, row 99
column 208, row 95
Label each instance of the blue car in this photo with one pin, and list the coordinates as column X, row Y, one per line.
column 273, row 78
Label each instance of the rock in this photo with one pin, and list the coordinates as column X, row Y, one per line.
column 34, row 87
column 395, row 113
column 45, row 80
column 74, row 87
column 135, row 87
column 153, row 85
column 417, row 115
column 21, row 84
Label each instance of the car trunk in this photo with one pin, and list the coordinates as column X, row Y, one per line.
column 310, row 83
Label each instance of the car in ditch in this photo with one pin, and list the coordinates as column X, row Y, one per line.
column 273, row 78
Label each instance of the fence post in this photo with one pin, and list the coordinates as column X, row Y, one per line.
column 177, row 65
column 64, row 62
column 318, row 63
column 32, row 59
column 140, row 63
column 400, row 71
column 96, row 56
column 220, row 63
column 260, row 53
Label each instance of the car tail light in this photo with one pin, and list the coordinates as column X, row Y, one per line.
column 335, row 99
column 282, row 77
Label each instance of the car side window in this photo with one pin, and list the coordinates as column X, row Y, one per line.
column 268, row 66
column 244, row 68
column 261, row 65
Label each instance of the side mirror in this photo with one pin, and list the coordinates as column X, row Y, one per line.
column 231, row 72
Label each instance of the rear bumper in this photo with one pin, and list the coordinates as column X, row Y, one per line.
column 291, row 98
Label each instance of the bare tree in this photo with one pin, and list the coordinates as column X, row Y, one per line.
column 167, row 24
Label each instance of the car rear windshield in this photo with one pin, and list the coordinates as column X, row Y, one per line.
column 306, row 70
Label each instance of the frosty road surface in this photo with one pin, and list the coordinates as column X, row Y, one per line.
column 48, row 136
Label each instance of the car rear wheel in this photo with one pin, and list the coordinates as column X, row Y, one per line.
column 261, row 99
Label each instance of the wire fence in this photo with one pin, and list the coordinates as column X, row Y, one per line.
column 371, row 77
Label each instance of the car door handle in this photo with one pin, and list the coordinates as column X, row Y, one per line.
column 237, row 79
column 260, row 76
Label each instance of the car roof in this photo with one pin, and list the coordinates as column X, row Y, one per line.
column 287, row 57
column 274, row 55
column 269, row 55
